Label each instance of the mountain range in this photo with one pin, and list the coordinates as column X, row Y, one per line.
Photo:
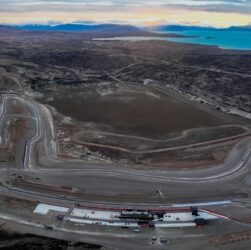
column 116, row 28
column 81, row 28
column 163, row 28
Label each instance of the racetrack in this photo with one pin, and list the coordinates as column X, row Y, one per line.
column 44, row 176
column 236, row 164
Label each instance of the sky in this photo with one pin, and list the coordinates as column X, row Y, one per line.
column 217, row 13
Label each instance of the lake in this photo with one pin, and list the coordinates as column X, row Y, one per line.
column 240, row 40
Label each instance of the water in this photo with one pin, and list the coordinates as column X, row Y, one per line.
column 240, row 40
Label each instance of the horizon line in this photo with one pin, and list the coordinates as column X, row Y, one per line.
column 90, row 23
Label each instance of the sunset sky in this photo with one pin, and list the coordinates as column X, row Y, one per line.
column 218, row 13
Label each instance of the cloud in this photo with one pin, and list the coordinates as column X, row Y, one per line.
column 12, row 5
column 132, row 11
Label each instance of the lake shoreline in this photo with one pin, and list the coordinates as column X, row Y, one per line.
column 223, row 40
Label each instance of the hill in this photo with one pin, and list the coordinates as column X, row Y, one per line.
column 173, row 28
column 109, row 28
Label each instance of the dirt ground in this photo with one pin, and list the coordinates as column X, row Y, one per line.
column 10, row 240
column 125, row 125
column 141, row 112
